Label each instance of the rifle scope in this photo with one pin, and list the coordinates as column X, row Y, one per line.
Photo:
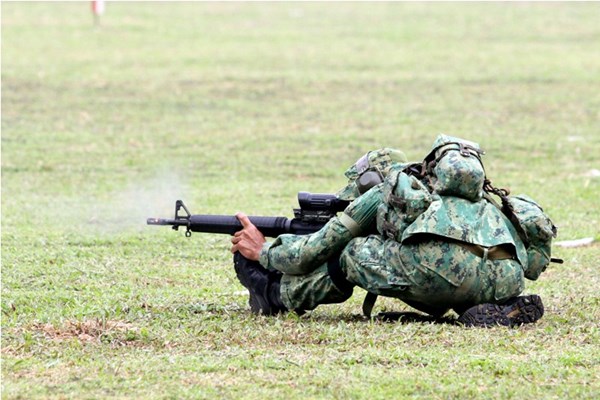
column 321, row 202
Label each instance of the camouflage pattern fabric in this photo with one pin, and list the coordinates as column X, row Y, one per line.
column 454, row 168
column 405, row 197
column 306, row 292
column 443, row 142
column 457, row 175
column 301, row 254
column 539, row 230
column 479, row 223
column 432, row 273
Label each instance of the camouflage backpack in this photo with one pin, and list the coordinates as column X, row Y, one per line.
column 452, row 168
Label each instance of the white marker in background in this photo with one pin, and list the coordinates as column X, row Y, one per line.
column 98, row 10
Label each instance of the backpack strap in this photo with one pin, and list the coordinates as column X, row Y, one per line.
column 465, row 150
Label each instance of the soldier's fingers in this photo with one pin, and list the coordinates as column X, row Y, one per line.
column 244, row 220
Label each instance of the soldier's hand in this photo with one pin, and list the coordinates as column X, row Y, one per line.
column 249, row 240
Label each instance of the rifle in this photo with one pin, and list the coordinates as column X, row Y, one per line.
column 316, row 209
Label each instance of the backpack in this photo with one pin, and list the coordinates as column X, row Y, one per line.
column 454, row 168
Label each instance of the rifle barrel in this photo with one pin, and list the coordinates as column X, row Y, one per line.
column 161, row 221
column 314, row 212
column 229, row 224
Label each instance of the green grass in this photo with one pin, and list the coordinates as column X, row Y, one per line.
column 238, row 107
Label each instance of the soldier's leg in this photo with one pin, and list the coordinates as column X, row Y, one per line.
column 375, row 264
column 503, row 306
column 306, row 292
column 360, row 263
column 365, row 263
column 480, row 290
column 306, row 281
column 272, row 292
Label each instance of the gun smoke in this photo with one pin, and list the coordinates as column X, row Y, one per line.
column 126, row 210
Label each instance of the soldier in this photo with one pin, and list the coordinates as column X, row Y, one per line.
column 426, row 233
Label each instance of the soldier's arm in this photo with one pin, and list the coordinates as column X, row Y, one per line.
column 294, row 254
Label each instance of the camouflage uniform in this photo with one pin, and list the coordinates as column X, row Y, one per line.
column 439, row 252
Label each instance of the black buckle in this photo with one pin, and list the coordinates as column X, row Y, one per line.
column 468, row 151
column 464, row 150
column 389, row 230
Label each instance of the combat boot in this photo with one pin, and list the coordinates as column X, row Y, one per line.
column 263, row 286
column 516, row 311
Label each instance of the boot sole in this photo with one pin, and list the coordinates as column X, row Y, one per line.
column 524, row 310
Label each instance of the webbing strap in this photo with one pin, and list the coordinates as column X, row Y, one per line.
column 350, row 224
column 506, row 208
column 389, row 230
column 487, row 253
column 465, row 150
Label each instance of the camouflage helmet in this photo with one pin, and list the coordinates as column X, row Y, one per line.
column 379, row 161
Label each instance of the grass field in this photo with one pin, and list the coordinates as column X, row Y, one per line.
column 238, row 107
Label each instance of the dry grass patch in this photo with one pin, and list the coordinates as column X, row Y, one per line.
column 91, row 331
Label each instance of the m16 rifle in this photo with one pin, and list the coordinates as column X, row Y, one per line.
column 316, row 209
